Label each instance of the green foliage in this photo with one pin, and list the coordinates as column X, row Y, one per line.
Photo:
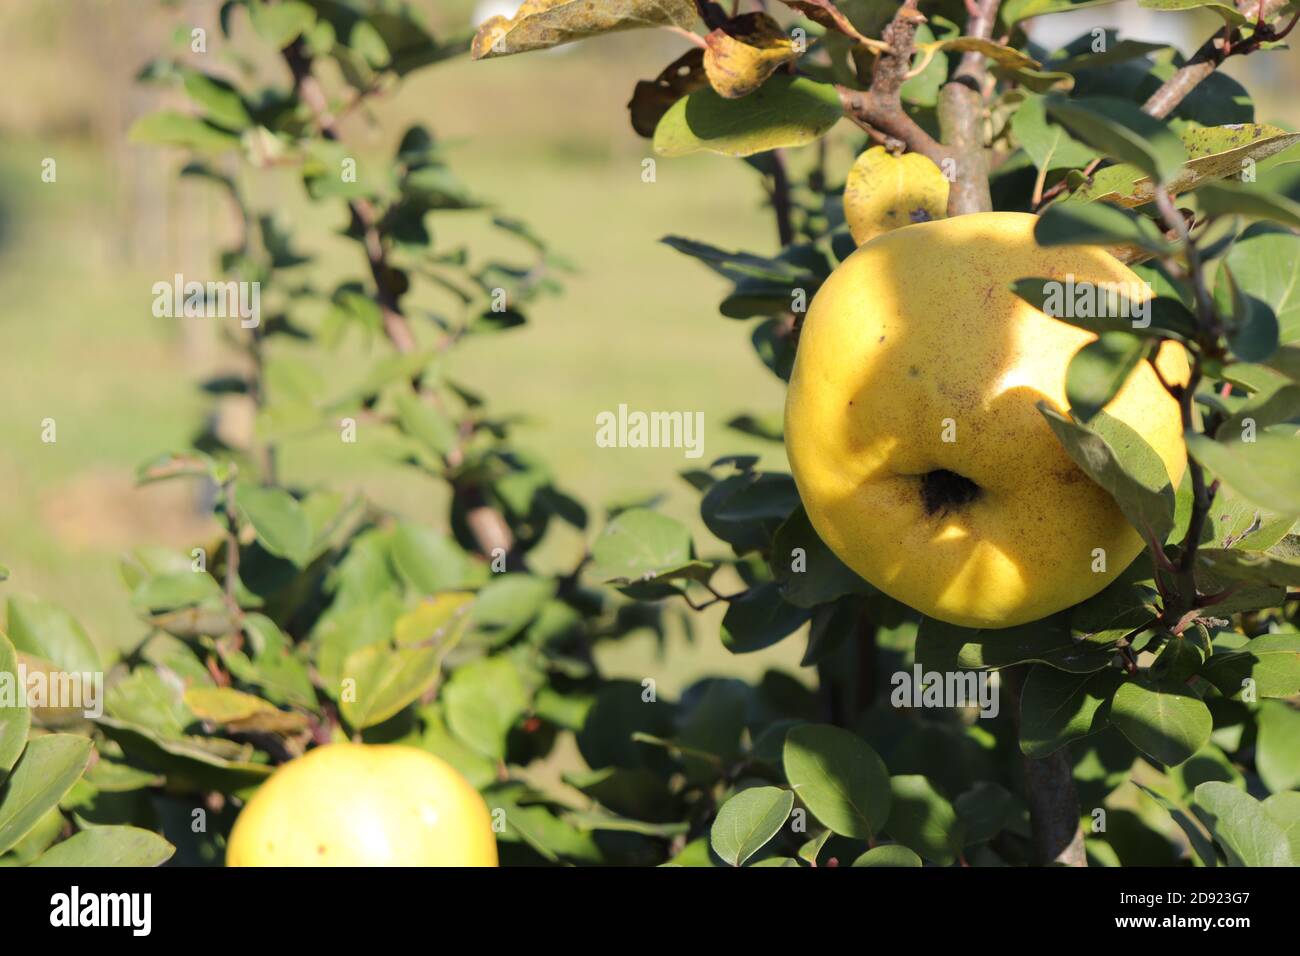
column 318, row 616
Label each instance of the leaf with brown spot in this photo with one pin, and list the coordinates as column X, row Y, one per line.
column 743, row 54
column 824, row 13
column 653, row 98
column 1213, row 152
column 540, row 24
column 885, row 192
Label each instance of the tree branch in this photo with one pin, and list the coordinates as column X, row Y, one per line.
column 489, row 528
column 880, row 108
column 961, row 119
column 1212, row 53
column 1049, row 791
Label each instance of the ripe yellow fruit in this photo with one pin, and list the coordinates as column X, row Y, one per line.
column 364, row 805
column 913, row 434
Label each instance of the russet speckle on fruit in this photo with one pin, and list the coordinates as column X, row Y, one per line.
column 918, row 334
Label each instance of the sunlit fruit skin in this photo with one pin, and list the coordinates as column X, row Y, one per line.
column 917, row 334
column 364, row 805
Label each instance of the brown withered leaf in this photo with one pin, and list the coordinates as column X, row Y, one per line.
column 824, row 13
column 744, row 53
column 539, row 24
column 652, row 98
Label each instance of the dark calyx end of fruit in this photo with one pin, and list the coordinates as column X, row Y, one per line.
column 943, row 490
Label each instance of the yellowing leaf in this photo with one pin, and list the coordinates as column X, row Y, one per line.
column 743, row 54
column 439, row 621
column 241, row 712
column 539, row 24
column 1004, row 56
column 886, row 191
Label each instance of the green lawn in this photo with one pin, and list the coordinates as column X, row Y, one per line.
column 637, row 325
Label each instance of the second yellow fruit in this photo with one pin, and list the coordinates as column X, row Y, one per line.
column 364, row 805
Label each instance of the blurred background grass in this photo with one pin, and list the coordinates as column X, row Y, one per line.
column 544, row 137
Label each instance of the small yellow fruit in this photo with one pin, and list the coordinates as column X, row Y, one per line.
column 364, row 805
column 914, row 437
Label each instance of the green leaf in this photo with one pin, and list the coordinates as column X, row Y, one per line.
column 219, row 100
column 1276, row 568
column 206, row 763
column 387, row 680
column 639, row 544
column 922, row 820
column 1272, row 661
column 431, row 562
column 425, row 423
column 564, row 21
column 1048, row 144
column 1284, row 809
column 943, row 647
column 1230, row 14
column 1195, row 835
column 1099, row 370
column 1241, row 826
column 1098, row 224
column 1057, row 707
column 52, row 634
column 1167, row 723
column 482, row 701
column 109, row 846
column 1013, row 11
column 1252, row 326
column 508, row 603
column 1244, row 199
column 807, row 571
column 841, row 780
column 1277, row 748
column 891, row 854
column 747, row 821
column 986, row 809
column 1262, row 409
column 15, row 718
column 169, row 128
column 1263, row 262
column 1166, row 316
column 1123, row 464
column 785, row 112
column 46, row 771
column 282, row 526
column 1120, row 129
column 760, row 618
column 280, row 24
column 1263, row 471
